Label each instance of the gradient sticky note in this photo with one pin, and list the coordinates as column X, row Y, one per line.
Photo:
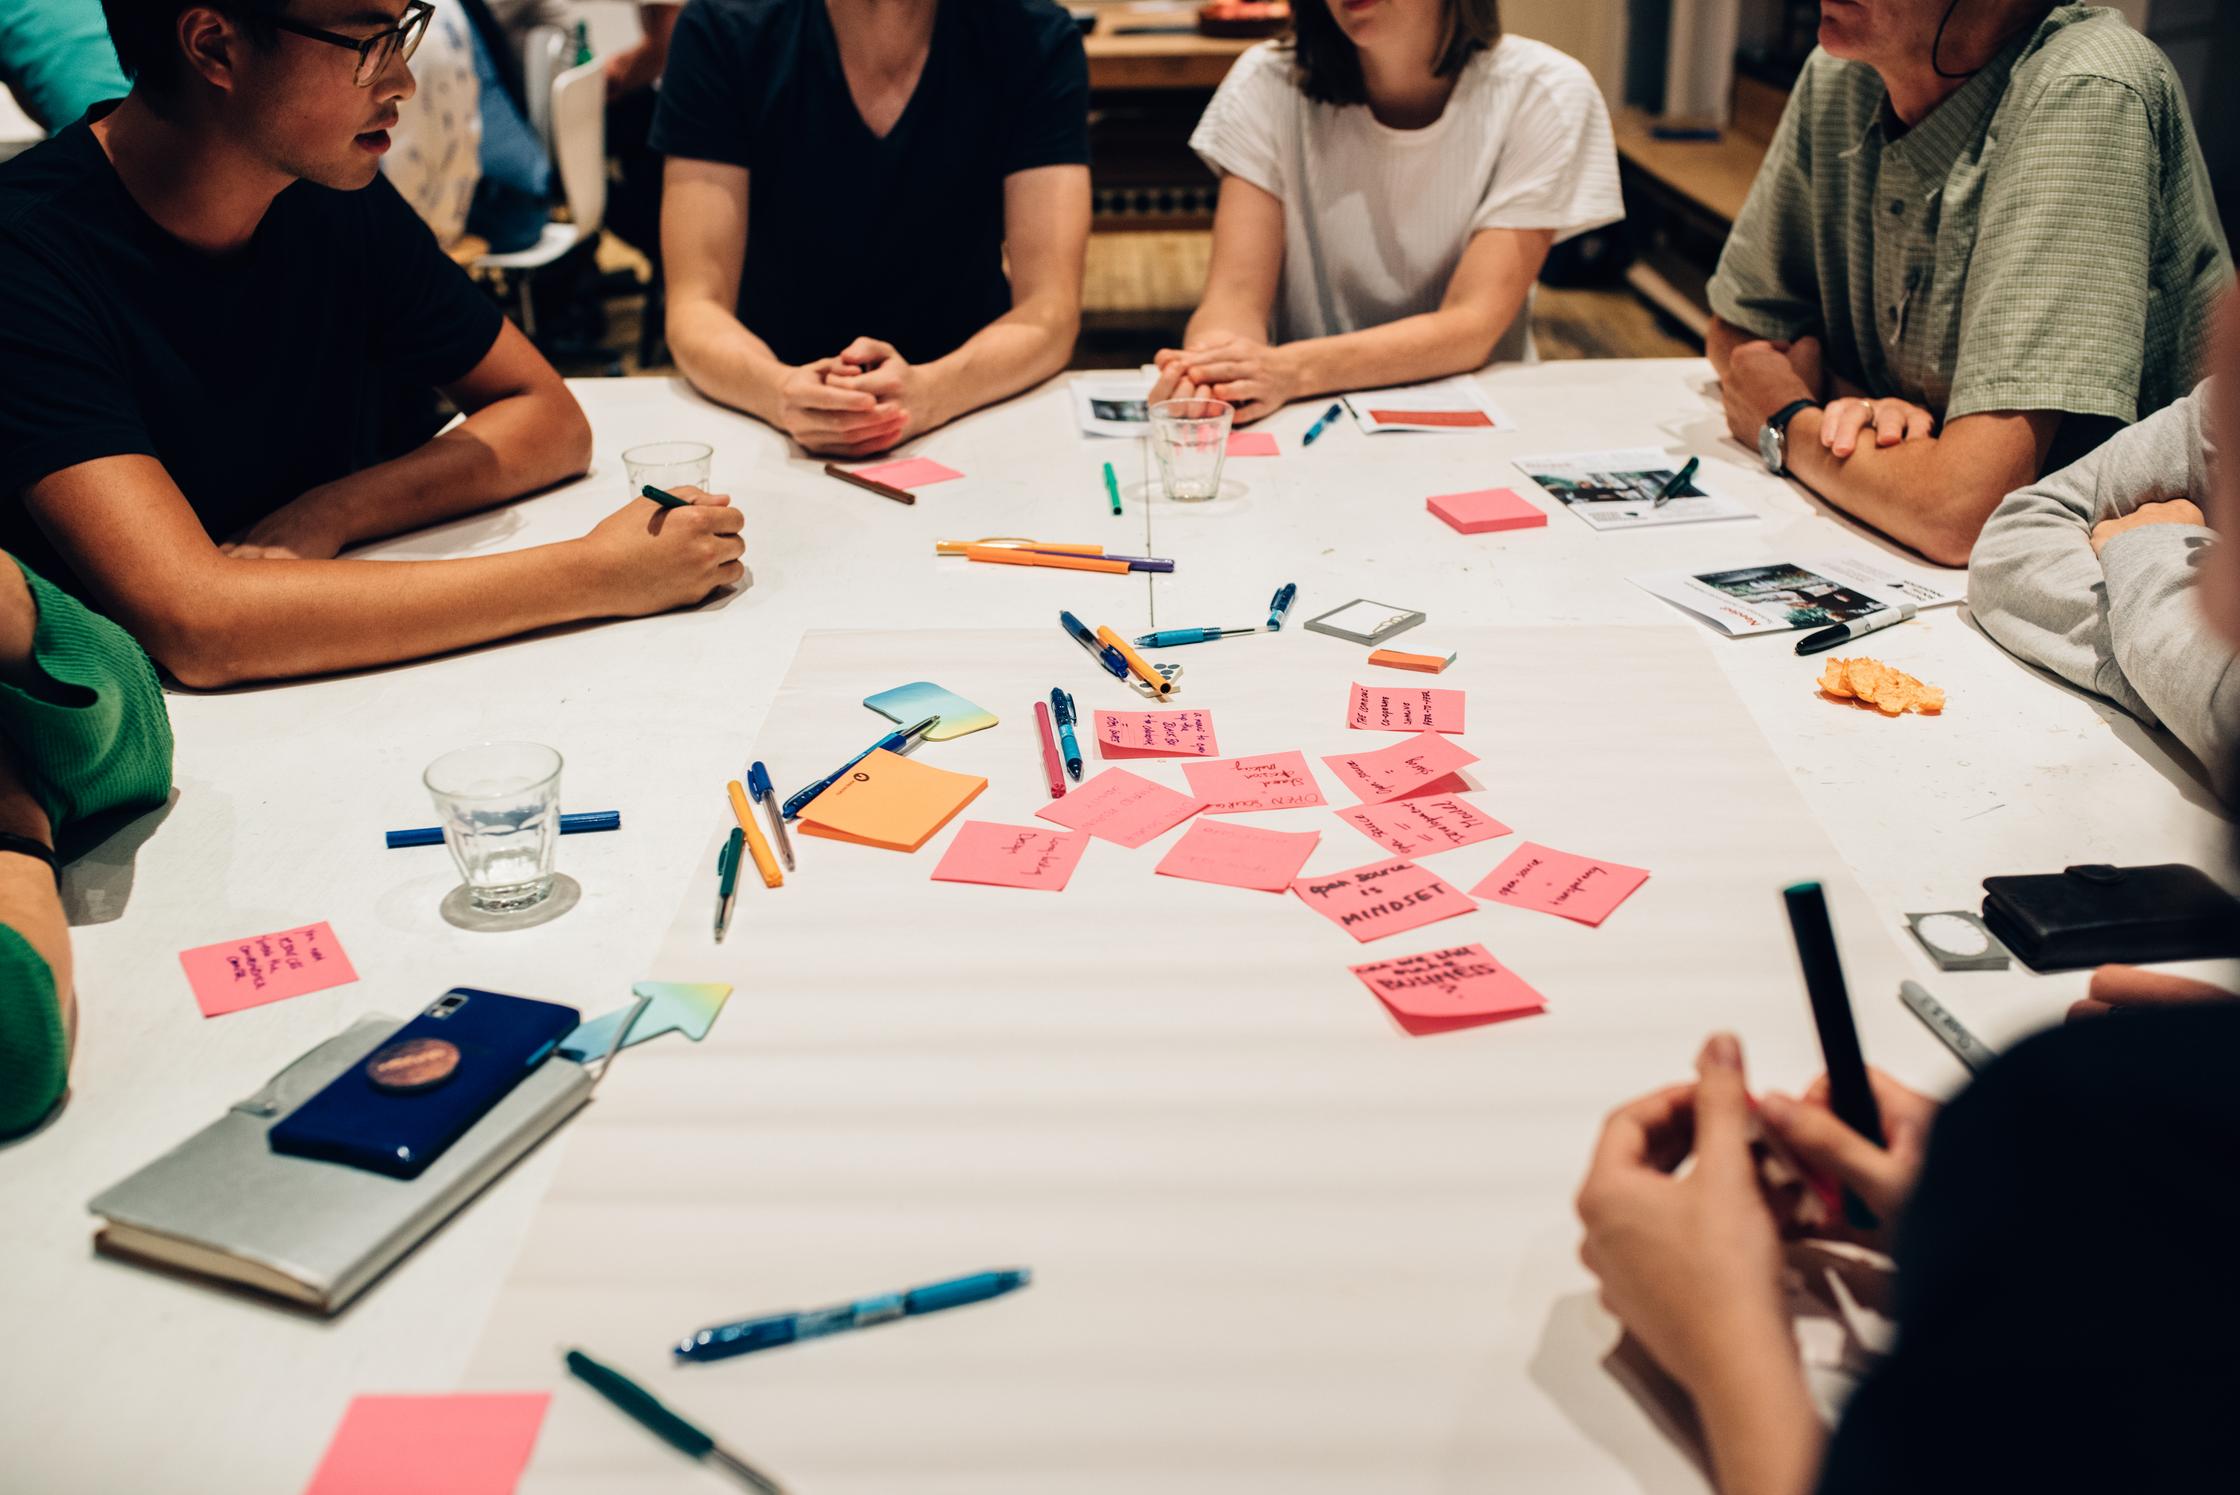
column 1274, row 781
column 1404, row 708
column 1424, row 764
column 1559, row 882
column 1253, row 444
column 906, row 705
column 910, row 472
column 1382, row 898
column 1423, row 824
column 683, row 1007
column 1440, row 990
column 460, row 1444
column 1239, row 855
column 1486, row 510
column 234, row 974
column 1012, row 856
column 889, row 800
column 1121, row 807
column 1154, row 734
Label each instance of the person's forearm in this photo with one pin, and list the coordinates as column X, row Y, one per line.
column 1906, row 491
column 1720, row 342
column 725, row 361
column 1764, row 1434
column 1427, row 346
column 1217, row 318
column 1023, row 347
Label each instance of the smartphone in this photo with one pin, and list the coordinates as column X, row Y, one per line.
column 1849, row 1094
column 396, row 1111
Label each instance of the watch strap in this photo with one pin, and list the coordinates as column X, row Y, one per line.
column 1779, row 424
column 10, row 841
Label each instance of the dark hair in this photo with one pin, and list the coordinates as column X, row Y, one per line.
column 146, row 33
column 1330, row 66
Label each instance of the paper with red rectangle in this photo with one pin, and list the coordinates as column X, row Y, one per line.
column 1460, row 986
column 234, row 974
column 1253, row 444
column 1154, row 734
column 1240, row 856
column 1405, row 708
column 1423, row 764
column 910, row 472
column 1121, row 807
column 1423, row 824
column 1487, row 510
column 1559, row 882
column 1012, row 856
column 462, row 1444
column 1382, row 898
column 1457, row 418
column 1273, row 781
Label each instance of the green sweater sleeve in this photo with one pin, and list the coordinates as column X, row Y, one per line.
column 33, row 1058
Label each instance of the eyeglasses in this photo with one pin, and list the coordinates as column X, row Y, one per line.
column 375, row 52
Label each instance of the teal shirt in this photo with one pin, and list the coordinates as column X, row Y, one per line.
column 56, row 59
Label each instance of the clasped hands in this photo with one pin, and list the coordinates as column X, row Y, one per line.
column 1254, row 377
column 865, row 399
column 1763, row 377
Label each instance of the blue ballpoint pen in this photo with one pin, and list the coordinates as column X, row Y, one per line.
column 1100, row 651
column 722, row 1341
column 570, row 825
column 1280, row 605
column 1336, row 409
column 893, row 742
column 1061, row 708
column 765, row 795
column 1167, row 638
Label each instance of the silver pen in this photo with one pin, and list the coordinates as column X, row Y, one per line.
column 759, row 787
column 1965, row 1046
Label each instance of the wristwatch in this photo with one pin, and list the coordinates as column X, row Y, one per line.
column 1773, row 436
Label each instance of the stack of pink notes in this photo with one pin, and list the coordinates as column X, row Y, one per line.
column 1124, row 808
column 1239, row 855
column 1426, row 763
column 1559, row 882
column 1382, row 898
column 1272, row 781
column 1404, row 708
column 1012, row 856
column 1154, row 734
column 1441, row 990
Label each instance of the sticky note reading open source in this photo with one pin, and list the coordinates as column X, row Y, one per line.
column 1155, row 734
column 1557, row 882
column 1404, row 708
column 1424, row 764
column 1382, row 898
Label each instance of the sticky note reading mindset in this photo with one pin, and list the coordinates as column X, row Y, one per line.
column 1422, row 825
column 889, row 800
column 1121, row 807
column 234, row 974
column 1278, row 781
column 1442, row 989
column 1424, row 764
column 1239, row 855
column 1155, row 734
column 1382, row 898
column 1012, row 856
column 464, row 1444
column 1404, row 708
column 1558, row 882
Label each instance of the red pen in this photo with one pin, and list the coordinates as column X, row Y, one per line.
column 1052, row 765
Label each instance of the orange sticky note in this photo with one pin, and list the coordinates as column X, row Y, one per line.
column 910, row 472
column 1393, row 659
column 1423, row 824
column 1382, row 898
column 1239, row 855
column 1253, row 444
column 1121, row 807
column 1278, row 781
column 1441, row 990
column 1559, row 882
column 1424, row 764
column 234, row 974
column 889, row 800
column 1404, row 708
column 1155, row 734
column 1012, row 856
column 465, row 1444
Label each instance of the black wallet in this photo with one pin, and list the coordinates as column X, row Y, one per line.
column 2089, row 916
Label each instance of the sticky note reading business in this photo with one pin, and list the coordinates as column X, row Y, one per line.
column 1239, row 856
column 889, row 800
column 465, row 1444
column 1382, row 898
column 1155, row 734
column 1425, row 824
column 234, row 974
column 1558, row 882
column 1451, row 987
column 1404, row 708
column 1012, row 856
column 1425, row 763
column 1121, row 807
column 1277, row 781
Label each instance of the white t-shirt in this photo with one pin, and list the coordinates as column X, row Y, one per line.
column 1376, row 219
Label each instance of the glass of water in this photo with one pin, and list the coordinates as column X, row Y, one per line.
column 668, row 465
column 1191, row 440
column 499, row 803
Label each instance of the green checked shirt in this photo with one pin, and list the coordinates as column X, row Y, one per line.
column 2044, row 240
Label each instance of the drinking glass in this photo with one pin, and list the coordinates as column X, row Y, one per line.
column 668, row 465
column 499, row 804
column 1191, row 440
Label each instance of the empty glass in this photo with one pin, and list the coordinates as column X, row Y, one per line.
column 1191, row 440
column 668, row 465
column 499, row 804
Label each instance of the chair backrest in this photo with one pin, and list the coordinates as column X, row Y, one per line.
column 579, row 143
column 544, row 54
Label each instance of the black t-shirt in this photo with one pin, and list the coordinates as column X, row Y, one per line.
column 850, row 235
column 252, row 377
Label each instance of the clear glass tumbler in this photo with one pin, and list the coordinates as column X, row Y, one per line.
column 499, row 804
column 1191, row 440
column 668, row 465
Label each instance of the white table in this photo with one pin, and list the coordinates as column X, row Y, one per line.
column 119, row 1378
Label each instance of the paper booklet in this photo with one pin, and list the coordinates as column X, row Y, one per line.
column 1455, row 404
column 1115, row 403
column 1782, row 595
column 1618, row 489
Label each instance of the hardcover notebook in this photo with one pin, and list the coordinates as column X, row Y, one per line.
column 223, row 1205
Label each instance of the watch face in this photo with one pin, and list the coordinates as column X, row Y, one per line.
column 1769, row 448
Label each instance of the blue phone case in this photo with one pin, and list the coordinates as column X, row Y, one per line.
column 356, row 1122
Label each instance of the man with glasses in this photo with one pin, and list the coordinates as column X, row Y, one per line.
column 204, row 291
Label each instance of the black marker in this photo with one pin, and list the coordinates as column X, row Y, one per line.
column 1849, row 1094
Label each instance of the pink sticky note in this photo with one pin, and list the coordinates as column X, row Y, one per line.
column 1424, row 764
column 1485, row 510
column 1122, row 807
column 1382, row 898
column 1155, row 734
column 1458, row 987
column 1404, row 708
column 466, row 1444
column 1279, row 781
column 1253, row 444
column 1423, row 824
column 1011, row 856
column 1558, row 882
column 1239, row 855
column 234, row 974
column 910, row 472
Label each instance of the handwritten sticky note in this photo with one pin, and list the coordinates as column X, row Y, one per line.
column 1485, row 510
column 1404, row 708
column 1559, row 882
column 889, row 800
column 463, row 1444
column 1424, row 824
column 1424, row 764
column 1012, row 856
column 1444, row 989
column 1238, row 855
column 1121, row 807
column 1278, row 781
column 234, row 974
column 910, row 472
column 1155, row 734
column 1382, row 898
column 1253, row 444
